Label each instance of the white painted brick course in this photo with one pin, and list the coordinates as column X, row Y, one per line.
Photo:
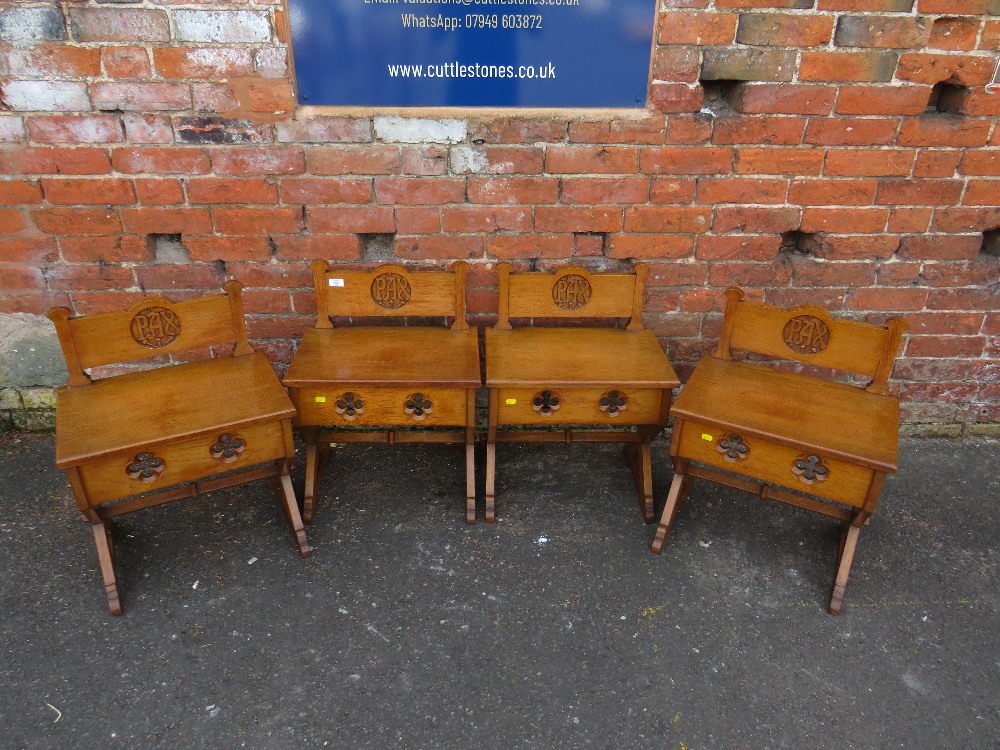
column 226, row 26
column 418, row 130
column 45, row 96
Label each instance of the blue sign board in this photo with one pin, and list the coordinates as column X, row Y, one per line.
column 472, row 53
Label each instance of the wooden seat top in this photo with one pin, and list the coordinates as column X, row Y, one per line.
column 155, row 407
column 388, row 356
column 577, row 357
column 801, row 411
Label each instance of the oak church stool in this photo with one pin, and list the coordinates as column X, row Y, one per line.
column 797, row 438
column 142, row 439
column 566, row 382
column 386, row 383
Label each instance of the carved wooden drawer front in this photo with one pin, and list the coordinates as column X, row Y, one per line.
column 369, row 406
column 776, row 464
column 604, row 406
column 123, row 474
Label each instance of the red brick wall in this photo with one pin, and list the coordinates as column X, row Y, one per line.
column 798, row 148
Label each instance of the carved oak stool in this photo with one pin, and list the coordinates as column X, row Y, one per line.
column 560, row 383
column 800, row 439
column 380, row 383
column 142, row 439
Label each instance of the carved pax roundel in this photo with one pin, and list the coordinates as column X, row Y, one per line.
column 571, row 292
column 155, row 327
column 806, row 334
column 390, row 290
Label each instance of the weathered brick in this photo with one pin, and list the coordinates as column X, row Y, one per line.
column 170, row 276
column 71, row 221
column 958, row 34
column 787, row 4
column 982, row 271
column 647, row 130
column 313, row 190
column 676, row 64
column 391, row 190
column 944, row 131
column 30, row 250
column 20, row 278
column 309, row 247
column 869, row 162
column 430, row 161
column 439, row 247
column 225, row 26
column 672, row 160
column 933, row 67
column 697, row 27
column 166, row 220
column 982, row 193
column 126, row 62
column 756, row 220
column 158, row 192
column 253, row 247
column 946, row 323
column 844, row 220
column 44, row 96
column 272, row 220
column 160, row 160
column 885, row 298
column 270, row 62
column 824, row 192
column 882, row 100
column 604, row 190
column 909, row 219
column 863, row 67
column 19, row 192
column 725, row 275
column 591, row 160
column 945, row 346
column 742, row 64
column 741, row 190
column 567, row 219
column 148, row 129
column 790, row 161
column 41, row 60
column 230, row 190
column 784, row 30
column 936, row 163
column 119, row 25
column 922, row 192
column 512, row 246
column 940, row 247
column 89, row 277
column 741, row 247
column 371, row 160
column 835, row 247
column 84, row 190
column 219, row 130
column 966, row 219
column 140, row 97
column 418, row 220
column 11, row 129
column 959, row 7
column 810, row 272
column 882, row 32
column 12, row 221
column 257, row 161
column 497, row 160
column 363, row 219
column 485, row 219
column 773, row 131
column 202, row 62
column 517, row 130
column 851, row 131
column 75, row 129
column 650, row 246
column 31, row 24
column 671, row 190
column 56, row 160
column 795, row 99
column 672, row 219
column 672, row 98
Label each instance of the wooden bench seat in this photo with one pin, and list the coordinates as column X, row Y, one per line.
column 804, row 440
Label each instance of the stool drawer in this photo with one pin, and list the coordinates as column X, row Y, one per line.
column 584, row 406
column 776, row 464
column 370, row 406
column 135, row 472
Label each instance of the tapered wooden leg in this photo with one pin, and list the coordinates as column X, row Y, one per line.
column 678, row 488
column 470, row 484
column 106, row 557
column 491, row 468
column 291, row 507
column 312, row 479
column 638, row 458
column 847, row 546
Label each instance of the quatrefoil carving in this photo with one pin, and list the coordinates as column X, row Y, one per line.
column 613, row 403
column 545, row 403
column 733, row 448
column 417, row 406
column 350, row 405
column 145, row 467
column 228, row 447
column 810, row 469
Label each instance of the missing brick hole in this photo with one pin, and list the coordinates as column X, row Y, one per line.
column 946, row 98
column 378, row 248
column 800, row 243
column 991, row 243
column 168, row 248
column 719, row 96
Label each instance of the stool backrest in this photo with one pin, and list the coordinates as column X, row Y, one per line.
column 571, row 292
column 152, row 327
column 389, row 291
column 811, row 335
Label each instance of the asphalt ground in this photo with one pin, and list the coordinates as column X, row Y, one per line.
column 554, row 628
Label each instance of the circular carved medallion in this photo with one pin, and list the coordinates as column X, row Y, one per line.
column 350, row 405
column 733, row 448
column 391, row 291
column 155, row 327
column 571, row 292
column 806, row 334
column 228, row 447
column 417, row 406
column 613, row 403
column 545, row 403
column 145, row 467
column 810, row 469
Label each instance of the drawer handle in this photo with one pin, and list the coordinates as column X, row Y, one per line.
column 417, row 406
column 733, row 448
column 810, row 469
column 145, row 467
column 545, row 403
column 350, row 405
column 613, row 403
column 228, row 447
